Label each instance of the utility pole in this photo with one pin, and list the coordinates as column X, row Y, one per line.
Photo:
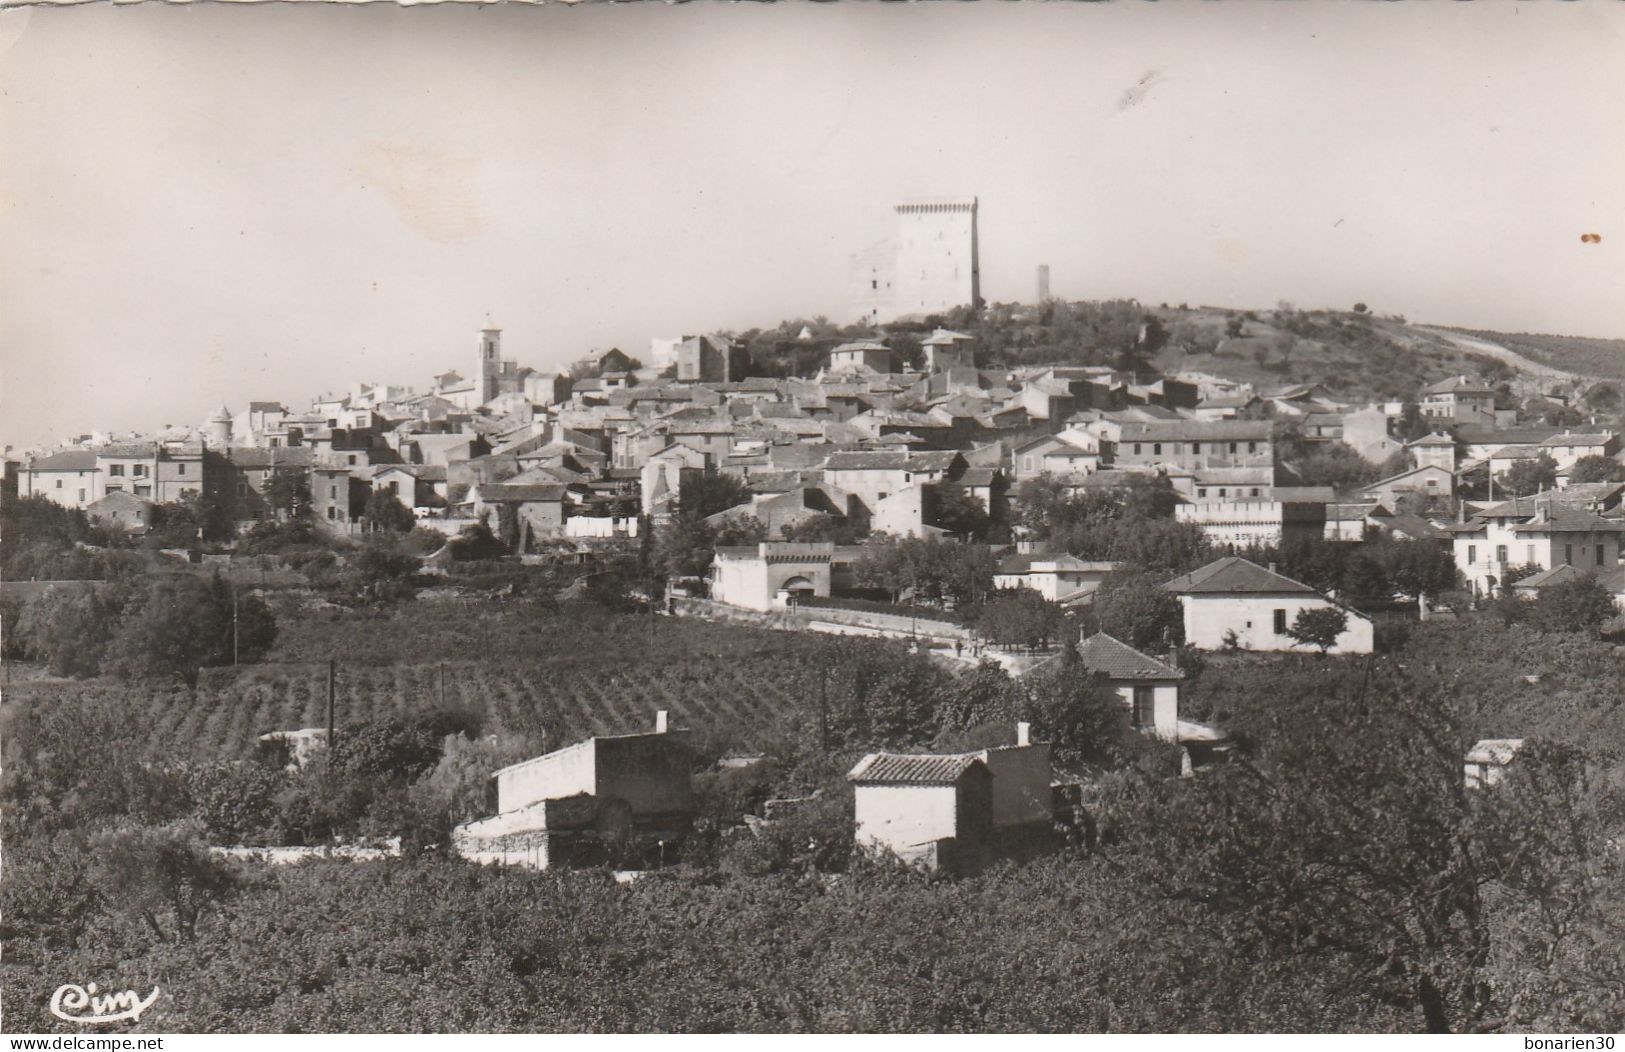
column 332, row 676
column 234, row 625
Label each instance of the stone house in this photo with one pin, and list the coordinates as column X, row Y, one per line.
column 1232, row 599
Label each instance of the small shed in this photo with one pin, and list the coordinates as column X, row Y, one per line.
column 1487, row 761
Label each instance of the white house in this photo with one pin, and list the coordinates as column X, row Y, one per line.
column 1253, row 523
column 910, row 805
column 1149, row 688
column 1234, row 600
column 1544, row 530
column 1058, row 578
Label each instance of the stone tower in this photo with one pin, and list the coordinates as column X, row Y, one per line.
column 489, row 365
column 929, row 265
column 937, row 264
column 217, row 429
column 1043, row 283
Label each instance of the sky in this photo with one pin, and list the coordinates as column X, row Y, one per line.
column 217, row 203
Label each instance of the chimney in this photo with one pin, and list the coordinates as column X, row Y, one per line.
column 1024, row 733
column 1272, row 567
column 660, row 722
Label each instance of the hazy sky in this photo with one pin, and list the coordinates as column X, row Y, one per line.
column 220, row 203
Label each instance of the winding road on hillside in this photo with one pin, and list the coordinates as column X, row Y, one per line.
column 1494, row 350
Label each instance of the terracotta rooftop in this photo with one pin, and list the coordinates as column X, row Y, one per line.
column 886, row 768
column 1115, row 659
column 1233, row 575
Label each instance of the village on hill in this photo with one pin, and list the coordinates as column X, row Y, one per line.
column 951, row 588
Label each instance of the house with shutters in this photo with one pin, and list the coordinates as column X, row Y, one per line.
column 1235, row 603
column 1543, row 531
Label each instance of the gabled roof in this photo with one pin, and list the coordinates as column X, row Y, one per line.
column 1566, row 518
column 1458, row 385
column 1234, row 575
column 1115, row 659
column 1563, row 573
column 116, row 500
column 1198, row 431
column 1581, row 438
column 255, row 457
column 1515, row 453
column 68, row 460
column 504, row 493
column 1433, row 439
column 885, row 768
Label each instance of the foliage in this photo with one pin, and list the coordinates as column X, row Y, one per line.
column 162, row 876
column 1334, row 464
column 1132, row 522
column 384, row 511
column 1579, row 605
column 70, row 628
column 287, row 490
column 1133, row 608
column 180, row 623
column 1318, row 626
column 960, row 513
column 926, row 569
column 1596, row 468
column 1526, row 477
column 703, row 494
column 476, row 541
column 1019, row 617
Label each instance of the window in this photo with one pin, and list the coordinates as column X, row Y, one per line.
column 59, row 485
column 1201, row 492
column 180, row 469
column 1252, row 447
column 1156, row 449
column 138, row 470
column 1280, row 622
column 1136, row 449
column 1255, row 491
column 1433, row 483
column 352, row 458
column 1599, row 555
column 1472, row 554
column 332, row 493
column 116, row 470
column 1145, row 706
column 1568, row 554
column 1529, row 553
column 332, row 513
column 1500, row 553
column 81, row 496
column 1196, row 447
column 1232, row 447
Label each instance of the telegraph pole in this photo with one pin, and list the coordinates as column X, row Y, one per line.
column 332, row 676
column 234, row 625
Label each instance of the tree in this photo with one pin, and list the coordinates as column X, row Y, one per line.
column 1336, row 465
column 1319, row 851
column 70, row 628
column 1360, row 308
column 179, row 624
column 384, row 511
column 1573, row 606
column 1234, row 327
column 960, row 513
column 702, row 495
column 1318, row 626
column 1133, row 608
column 1596, row 468
column 1019, row 617
column 159, row 874
column 1526, row 477
column 288, row 490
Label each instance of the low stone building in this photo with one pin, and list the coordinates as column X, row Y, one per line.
column 1234, row 602
column 570, row 804
column 771, row 574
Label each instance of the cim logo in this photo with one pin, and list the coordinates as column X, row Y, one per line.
column 71, row 1002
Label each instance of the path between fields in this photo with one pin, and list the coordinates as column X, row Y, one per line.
column 1505, row 354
